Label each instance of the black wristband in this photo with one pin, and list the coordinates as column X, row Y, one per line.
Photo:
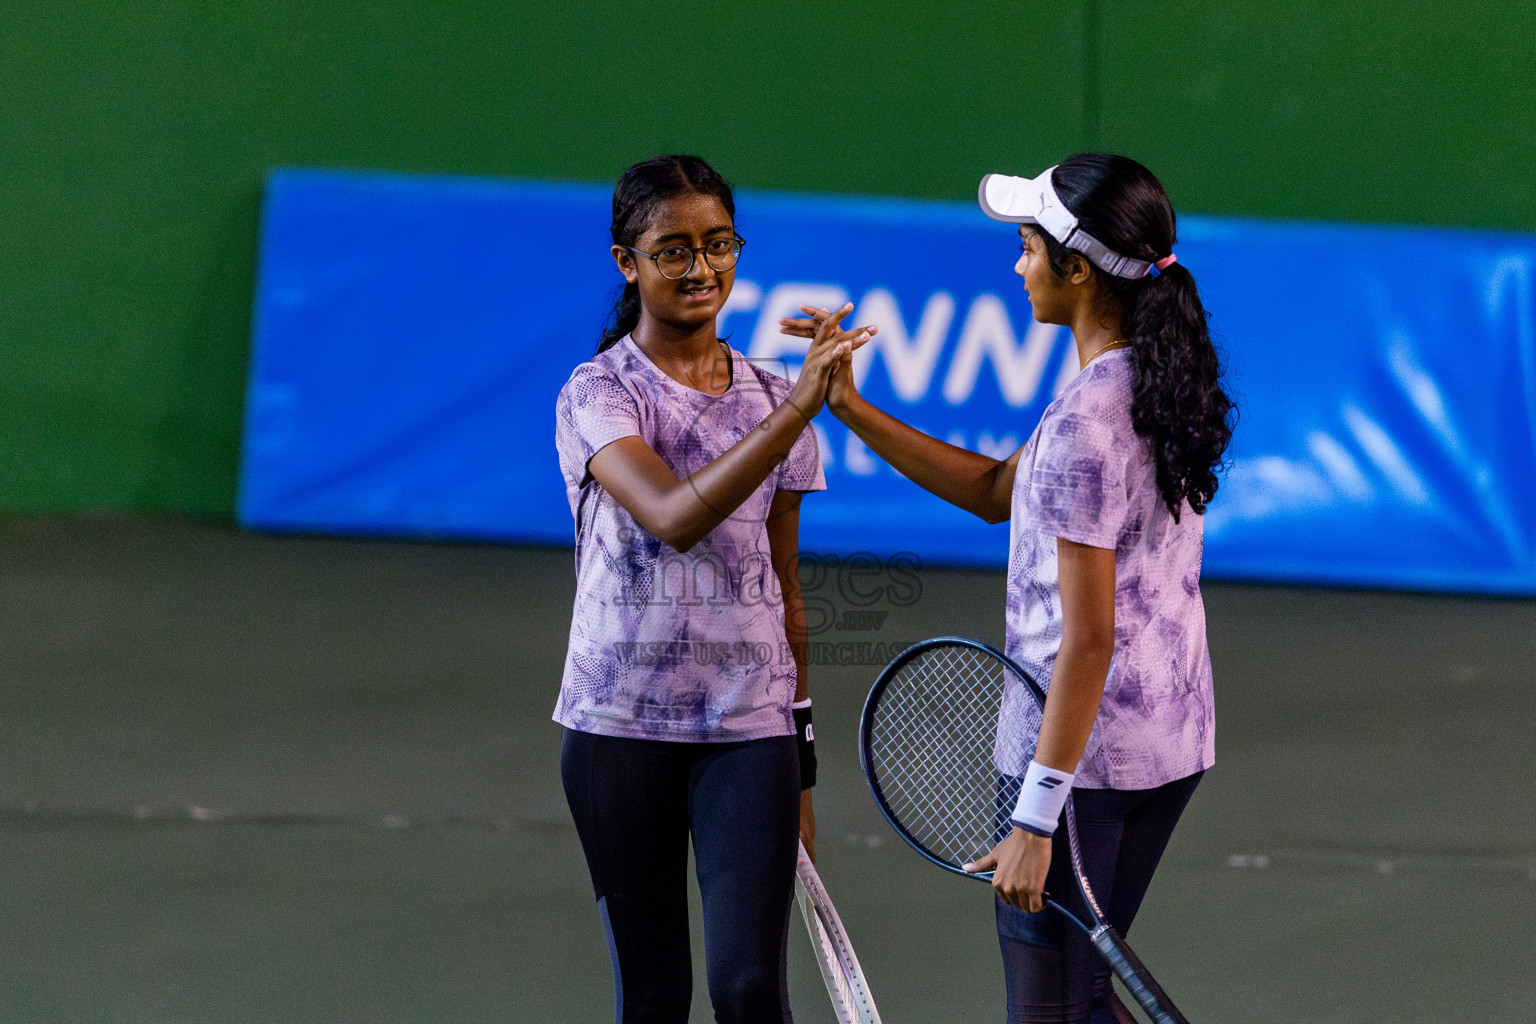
column 805, row 740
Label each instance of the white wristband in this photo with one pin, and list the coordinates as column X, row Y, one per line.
column 1041, row 798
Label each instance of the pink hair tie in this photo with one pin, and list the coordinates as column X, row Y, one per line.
column 1156, row 269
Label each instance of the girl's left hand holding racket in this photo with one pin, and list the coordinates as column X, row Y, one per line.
column 1019, row 865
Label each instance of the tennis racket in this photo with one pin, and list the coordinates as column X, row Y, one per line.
column 926, row 744
column 834, row 953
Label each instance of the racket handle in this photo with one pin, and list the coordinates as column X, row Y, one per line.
column 1135, row 976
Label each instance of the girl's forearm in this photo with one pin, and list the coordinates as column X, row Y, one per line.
column 1072, row 705
column 794, row 623
column 1087, row 593
column 979, row 484
column 704, row 499
column 784, row 552
column 681, row 512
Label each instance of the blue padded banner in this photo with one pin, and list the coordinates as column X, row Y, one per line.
column 411, row 334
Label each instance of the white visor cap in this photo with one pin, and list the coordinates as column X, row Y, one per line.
column 1034, row 201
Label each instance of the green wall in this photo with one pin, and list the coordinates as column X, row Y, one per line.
column 134, row 138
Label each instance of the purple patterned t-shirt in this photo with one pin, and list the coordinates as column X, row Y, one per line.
column 664, row 644
column 1087, row 476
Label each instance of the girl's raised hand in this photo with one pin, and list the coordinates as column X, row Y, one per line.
column 815, row 318
column 840, row 386
column 829, row 346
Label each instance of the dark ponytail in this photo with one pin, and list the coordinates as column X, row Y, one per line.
column 1177, row 401
column 641, row 189
column 623, row 318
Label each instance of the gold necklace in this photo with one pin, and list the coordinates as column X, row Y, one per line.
column 1104, row 348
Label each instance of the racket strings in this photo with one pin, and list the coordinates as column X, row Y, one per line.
column 931, row 741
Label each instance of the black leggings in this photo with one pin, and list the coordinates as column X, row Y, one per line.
column 1052, row 972
column 635, row 803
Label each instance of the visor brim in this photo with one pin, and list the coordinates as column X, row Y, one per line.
column 1027, row 201
column 1002, row 204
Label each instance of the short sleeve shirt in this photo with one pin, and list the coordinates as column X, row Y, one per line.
column 1087, row 476
column 665, row 644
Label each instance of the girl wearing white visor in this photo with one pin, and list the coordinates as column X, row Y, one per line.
column 1106, row 504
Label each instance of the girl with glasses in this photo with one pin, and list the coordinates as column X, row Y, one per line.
column 684, row 699
column 1106, row 504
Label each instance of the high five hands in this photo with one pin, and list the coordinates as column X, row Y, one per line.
column 827, row 365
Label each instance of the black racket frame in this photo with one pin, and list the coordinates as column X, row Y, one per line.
column 1108, row 942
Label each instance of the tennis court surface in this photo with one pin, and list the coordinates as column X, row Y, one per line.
column 294, row 780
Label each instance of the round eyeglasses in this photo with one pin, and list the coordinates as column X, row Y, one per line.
column 676, row 261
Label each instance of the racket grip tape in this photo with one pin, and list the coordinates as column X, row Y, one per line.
column 1135, row 976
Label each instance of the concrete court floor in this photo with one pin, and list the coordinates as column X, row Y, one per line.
column 298, row 780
